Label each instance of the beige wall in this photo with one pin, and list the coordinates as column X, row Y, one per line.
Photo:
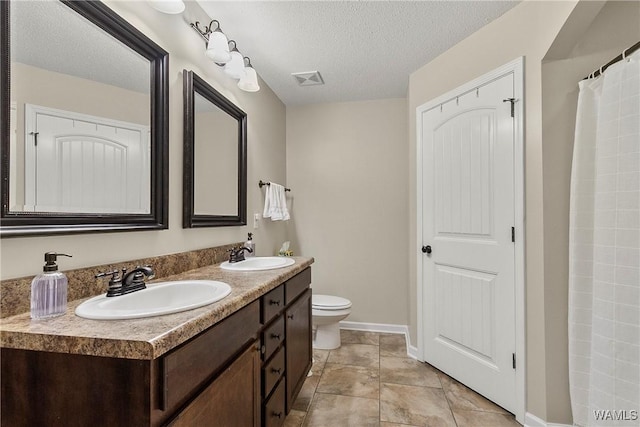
column 574, row 54
column 266, row 160
column 346, row 165
column 526, row 30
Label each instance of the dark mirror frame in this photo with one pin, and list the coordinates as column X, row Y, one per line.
column 44, row 223
column 195, row 84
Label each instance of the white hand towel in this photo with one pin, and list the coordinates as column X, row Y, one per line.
column 268, row 201
column 282, row 203
column 275, row 203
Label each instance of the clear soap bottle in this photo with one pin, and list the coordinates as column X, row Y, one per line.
column 250, row 245
column 49, row 290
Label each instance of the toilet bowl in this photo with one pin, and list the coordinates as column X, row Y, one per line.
column 326, row 312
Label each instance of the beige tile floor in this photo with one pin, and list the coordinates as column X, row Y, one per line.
column 370, row 381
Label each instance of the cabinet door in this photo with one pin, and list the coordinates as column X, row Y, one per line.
column 231, row 400
column 298, row 345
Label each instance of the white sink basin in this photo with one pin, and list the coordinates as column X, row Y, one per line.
column 258, row 263
column 158, row 299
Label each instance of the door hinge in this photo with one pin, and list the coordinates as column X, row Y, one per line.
column 513, row 360
column 513, row 234
column 513, row 105
column 35, row 137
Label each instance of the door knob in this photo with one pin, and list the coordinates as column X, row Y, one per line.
column 426, row 249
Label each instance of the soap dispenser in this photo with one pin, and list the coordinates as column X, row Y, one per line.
column 250, row 245
column 49, row 290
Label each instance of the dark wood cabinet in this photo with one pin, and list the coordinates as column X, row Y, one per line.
column 299, row 351
column 244, row 371
column 290, row 320
column 73, row 390
column 232, row 400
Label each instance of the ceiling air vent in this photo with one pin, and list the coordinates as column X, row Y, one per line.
column 308, row 78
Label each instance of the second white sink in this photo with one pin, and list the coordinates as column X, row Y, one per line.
column 258, row 263
column 157, row 299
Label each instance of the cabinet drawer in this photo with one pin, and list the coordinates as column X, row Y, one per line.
column 274, row 413
column 272, row 337
column 190, row 366
column 297, row 284
column 272, row 372
column 272, row 303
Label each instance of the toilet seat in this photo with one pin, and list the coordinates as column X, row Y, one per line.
column 329, row 302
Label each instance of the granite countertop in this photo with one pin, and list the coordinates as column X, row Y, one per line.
column 146, row 338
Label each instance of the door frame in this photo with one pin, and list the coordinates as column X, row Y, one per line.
column 515, row 67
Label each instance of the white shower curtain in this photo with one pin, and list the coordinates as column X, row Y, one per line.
column 604, row 251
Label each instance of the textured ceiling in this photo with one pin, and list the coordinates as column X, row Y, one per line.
column 362, row 49
column 49, row 35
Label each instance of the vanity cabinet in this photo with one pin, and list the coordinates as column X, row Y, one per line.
column 286, row 345
column 244, row 371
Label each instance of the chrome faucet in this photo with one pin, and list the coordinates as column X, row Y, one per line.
column 237, row 254
column 129, row 282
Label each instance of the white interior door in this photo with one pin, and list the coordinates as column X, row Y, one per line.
column 467, row 218
column 85, row 164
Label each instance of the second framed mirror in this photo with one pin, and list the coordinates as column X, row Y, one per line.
column 215, row 157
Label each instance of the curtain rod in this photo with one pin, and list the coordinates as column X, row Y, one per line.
column 618, row 58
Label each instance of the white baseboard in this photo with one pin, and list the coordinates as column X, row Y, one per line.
column 375, row 327
column 384, row 328
column 531, row 420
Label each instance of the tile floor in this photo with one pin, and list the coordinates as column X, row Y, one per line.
column 370, row 381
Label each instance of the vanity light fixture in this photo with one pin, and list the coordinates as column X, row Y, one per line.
column 217, row 47
column 172, row 7
column 249, row 81
column 235, row 64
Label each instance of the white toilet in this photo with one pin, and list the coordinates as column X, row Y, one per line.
column 326, row 312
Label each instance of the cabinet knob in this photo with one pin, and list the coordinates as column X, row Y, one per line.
column 277, row 414
column 290, row 316
column 275, row 336
column 274, row 302
column 276, row 370
column 263, row 349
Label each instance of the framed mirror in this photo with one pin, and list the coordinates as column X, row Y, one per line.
column 84, row 113
column 215, row 157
